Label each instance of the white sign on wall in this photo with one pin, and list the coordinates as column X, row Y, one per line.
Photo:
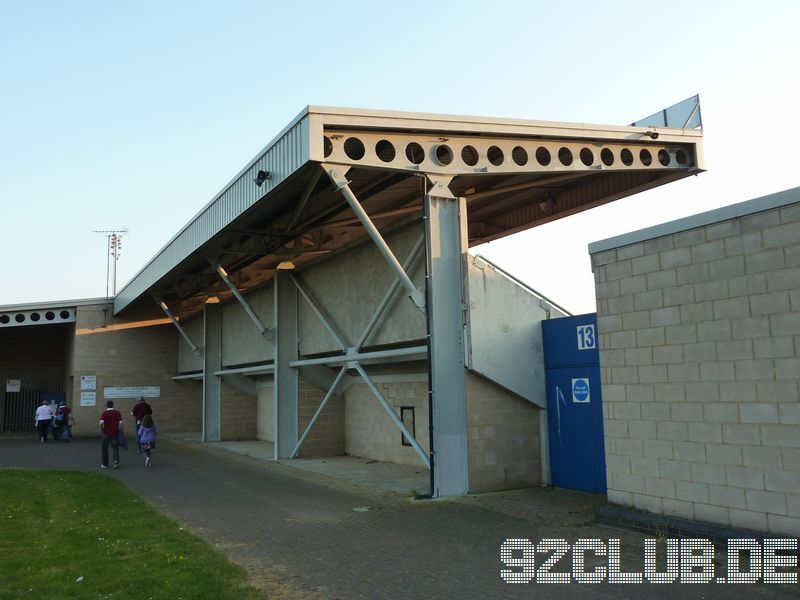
column 88, row 382
column 580, row 390
column 13, row 385
column 88, row 398
column 148, row 391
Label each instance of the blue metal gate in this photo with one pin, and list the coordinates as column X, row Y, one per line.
column 574, row 403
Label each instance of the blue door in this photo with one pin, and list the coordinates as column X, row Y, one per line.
column 574, row 403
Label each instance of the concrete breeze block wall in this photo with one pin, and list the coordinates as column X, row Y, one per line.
column 265, row 411
column 137, row 350
column 327, row 437
column 502, row 438
column 700, row 358
column 369, row 432
column 238, row 415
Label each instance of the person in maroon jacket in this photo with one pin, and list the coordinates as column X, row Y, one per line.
column 110, row 425
column 140, row 409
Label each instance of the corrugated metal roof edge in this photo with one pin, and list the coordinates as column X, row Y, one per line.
column 303, row 113
column 740, row 209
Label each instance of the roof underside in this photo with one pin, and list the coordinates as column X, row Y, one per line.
column 514, row 175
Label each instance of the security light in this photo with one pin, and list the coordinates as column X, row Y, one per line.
column 261, row 177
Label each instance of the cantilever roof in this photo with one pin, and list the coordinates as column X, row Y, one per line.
column 514, row 174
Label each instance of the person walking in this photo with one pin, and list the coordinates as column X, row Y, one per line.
column 110, row 426
column 44, row 417
column 147, row 435
column 61, row 421
column 140, row 409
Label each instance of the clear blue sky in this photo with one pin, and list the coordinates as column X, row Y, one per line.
column 135, row 114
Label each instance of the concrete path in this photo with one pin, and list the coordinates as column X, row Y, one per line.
column 305, row 535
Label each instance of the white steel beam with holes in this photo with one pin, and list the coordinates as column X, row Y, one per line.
column 464, row 155
column 446, row 249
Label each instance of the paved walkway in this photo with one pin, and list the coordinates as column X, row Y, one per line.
column 305, row 535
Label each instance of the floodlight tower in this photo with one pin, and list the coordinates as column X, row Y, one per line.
column 114, row 237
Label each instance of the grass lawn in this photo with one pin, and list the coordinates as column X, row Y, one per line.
column 84, row 535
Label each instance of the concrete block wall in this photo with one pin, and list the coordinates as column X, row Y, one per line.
column 265, row 412
column 138, row 350
column 369, row 432
column 327, row 436
column 503, row 438
column 241, row 341
column 350, row 286
column 700, row 359
column 188, row 361
column 503, row 430
column 238, row 415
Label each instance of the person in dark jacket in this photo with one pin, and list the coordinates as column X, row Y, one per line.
column 110, row 426
column 140, row 409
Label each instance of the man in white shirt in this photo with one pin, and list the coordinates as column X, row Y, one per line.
column 44, row 417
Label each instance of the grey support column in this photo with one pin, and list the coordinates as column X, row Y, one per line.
column 287, row 381
column 445, row 251
column 212, row 384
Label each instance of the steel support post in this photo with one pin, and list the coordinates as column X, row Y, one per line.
column 360, row 357
column 328, row 396
column 312, row 302
column 393, row 415
column 287, row 381
column 446, row 248
column 262, row 329
column 389, row 293
column 212, row 384
column 195, row 348
column 337, row 175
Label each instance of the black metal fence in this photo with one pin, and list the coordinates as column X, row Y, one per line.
column 19, row 408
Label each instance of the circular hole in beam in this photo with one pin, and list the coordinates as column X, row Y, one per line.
column 415, row 153
column 587, row 156
column 607, row 156
column 49, row 315
column 520, row 156
column 543, row 156
column 64, row 314
column 645, row 157
column 626, row 156
column 444, row 154
column 385, row 151
column 663, row 157
column 565, row 156
column 681, row 157
column 19, row 317
column 327, row 146
column 354, row 148
column 469, row 155
column 495, row 156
